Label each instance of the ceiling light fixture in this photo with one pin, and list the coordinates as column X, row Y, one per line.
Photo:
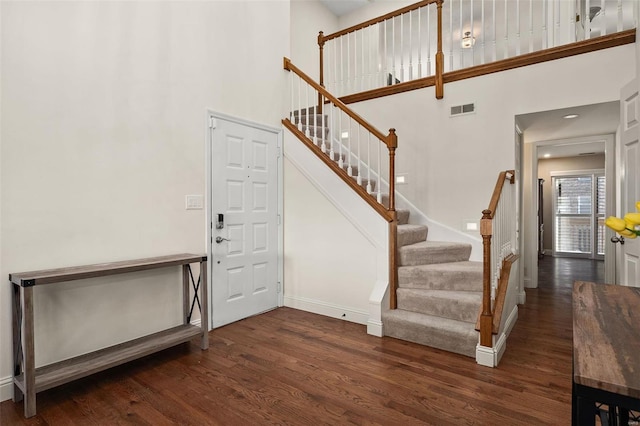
column 467, row 41
column 547, row 155
column 570, row 116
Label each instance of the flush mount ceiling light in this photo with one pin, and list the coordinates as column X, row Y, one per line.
column 467, row 41
column 570, row 116
column 547, row 155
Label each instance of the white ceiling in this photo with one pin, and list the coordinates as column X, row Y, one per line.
column 597, row 119
column 342, row 7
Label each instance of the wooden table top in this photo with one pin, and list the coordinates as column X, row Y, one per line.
column 50, row 276
column 606, row 337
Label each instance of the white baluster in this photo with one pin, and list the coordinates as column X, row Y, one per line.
column 371, row 70
column 359, row 161
column 299, row 103
column 335, row 65
column 461, row 35
column 619, row 15
column 482, row 29
column 472, row 36
column 393, row 51
column 307, row 132
column 557, row 15
column 420, row 41
column 494, row 24
column 531, row 26
column 428, row 9
column 506, row 29
column 362, row 67
column 587, row 21
column 292, row 118
column 517, row 27
column 348, row 77
column 323, row 136
column 603, row 18
column 451, row 67
column 410, row 47
column 349, row 168
column 386, row 71
column 332, row 154
column 379, row 183
column 369, row 191
column 342, row 85
column 356, row 77
column 401, row 48
column 545, row 33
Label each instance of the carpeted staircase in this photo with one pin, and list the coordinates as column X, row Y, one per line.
column 440, row 290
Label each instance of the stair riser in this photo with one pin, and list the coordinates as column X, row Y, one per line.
column 428, row 256
column 456, row 281
column 314, row 120
column 433, row 337
column 407, row 237
column 459, row 310
column 403, row 216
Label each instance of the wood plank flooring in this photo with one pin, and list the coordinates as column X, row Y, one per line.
column 296, row 368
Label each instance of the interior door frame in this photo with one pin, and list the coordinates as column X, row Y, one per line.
column 209, row 118
column 610, row 254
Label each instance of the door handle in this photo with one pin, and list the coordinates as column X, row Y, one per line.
column 615, row 239
column 220, row 239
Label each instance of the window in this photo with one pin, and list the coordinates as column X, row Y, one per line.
column 579, row 208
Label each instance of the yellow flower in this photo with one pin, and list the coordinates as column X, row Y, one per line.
column 632, row 219
column 615, row 223
column 638, row 206
column 627, row 234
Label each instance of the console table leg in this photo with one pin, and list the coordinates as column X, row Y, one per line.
column 185, row 294
column 204, row 312
column 29, row 369
column 17, row 339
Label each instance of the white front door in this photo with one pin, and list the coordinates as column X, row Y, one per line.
column 628, row 149
column 244, row 212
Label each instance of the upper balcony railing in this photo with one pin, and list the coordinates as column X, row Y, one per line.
column 402, row 47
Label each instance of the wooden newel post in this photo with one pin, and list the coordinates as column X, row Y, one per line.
column 486, row 318
column 321, row 45
column 392, row 144
column 439, row 55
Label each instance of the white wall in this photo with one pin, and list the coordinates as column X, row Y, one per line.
column 103, row 135
column 308, row 18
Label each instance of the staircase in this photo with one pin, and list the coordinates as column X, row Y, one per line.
column 440, row 290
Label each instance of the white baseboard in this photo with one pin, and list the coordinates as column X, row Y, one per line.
column 374, row 328
column 522, row 298
column 6, row 388
column 490, row 357
column 327, row 309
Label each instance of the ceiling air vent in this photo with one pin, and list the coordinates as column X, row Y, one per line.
column 463, row 109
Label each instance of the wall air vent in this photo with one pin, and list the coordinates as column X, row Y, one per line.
column 463, row 109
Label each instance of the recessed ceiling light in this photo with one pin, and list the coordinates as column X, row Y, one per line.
column 569, row 116
column 547, row 155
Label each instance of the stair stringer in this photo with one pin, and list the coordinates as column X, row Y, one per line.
column 366, row 220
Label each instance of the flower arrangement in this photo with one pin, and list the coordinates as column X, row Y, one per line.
column 629, row 226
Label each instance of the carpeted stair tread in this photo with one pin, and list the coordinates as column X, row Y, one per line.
column 456, row 276
column 411, row 234
column 461, row 306
column 314, row 119
column 429, row 252
column 403, row 216
column 430, row 330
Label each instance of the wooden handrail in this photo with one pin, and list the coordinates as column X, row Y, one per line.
column 390, row 140
column 509, row 175
column 379, row 19
column 486, row 320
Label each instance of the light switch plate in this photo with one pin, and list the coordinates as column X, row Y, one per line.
column 193, row 202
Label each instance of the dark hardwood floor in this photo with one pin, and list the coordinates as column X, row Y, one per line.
column 297, row 368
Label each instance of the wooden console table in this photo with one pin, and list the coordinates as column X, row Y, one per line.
column 28, row 380
column 606, row 351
